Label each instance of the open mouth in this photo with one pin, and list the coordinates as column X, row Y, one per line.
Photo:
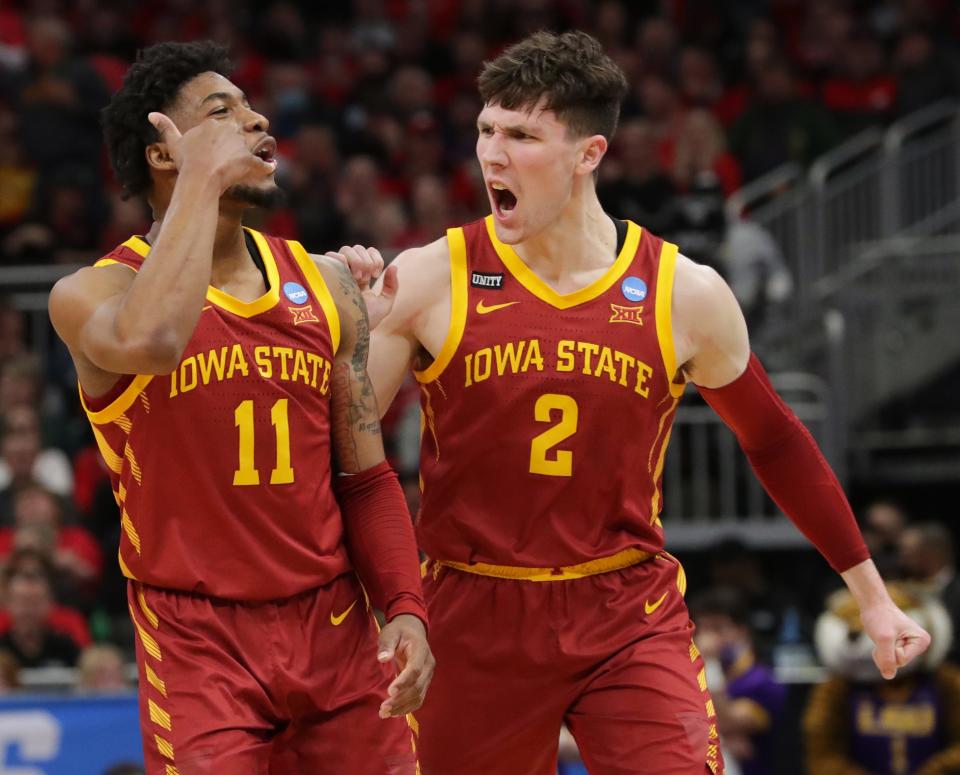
column 266, row 149
column 504, row 199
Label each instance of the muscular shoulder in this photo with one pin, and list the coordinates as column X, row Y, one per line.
column 710, row 334
column 75, row 296
column 423, row 274
column 425, row 271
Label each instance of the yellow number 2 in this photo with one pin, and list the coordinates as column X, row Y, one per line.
column 561, row 464
column 246, row 472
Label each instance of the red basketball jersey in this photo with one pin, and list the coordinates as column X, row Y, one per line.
column 546, row 417
column 222, row 468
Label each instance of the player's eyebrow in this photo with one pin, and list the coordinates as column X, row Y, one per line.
column 510, row 129
column 222, row 95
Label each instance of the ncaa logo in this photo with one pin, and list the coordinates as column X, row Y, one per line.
column 634, row 289
column 295, row 292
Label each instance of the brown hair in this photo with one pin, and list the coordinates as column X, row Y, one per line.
column 570, row 72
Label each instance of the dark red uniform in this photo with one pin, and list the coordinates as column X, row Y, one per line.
column 241, row 588
column 546, row 422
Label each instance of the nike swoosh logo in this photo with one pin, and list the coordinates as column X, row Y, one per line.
column 483, row 309
column 336, row 621
column 651, row 607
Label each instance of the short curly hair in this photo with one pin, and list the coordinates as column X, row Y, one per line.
column 581, row 84
column 153, row 82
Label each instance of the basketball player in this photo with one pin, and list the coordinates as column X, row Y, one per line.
column 552, row 344
column 224, row 375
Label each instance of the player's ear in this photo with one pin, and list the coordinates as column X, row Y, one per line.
column 158, row 153
column 592, row 151
column 158, row 156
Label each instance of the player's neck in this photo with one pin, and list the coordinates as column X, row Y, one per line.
column 230, row 253
column 582, row 238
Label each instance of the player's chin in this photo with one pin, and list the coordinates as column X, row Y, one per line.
column 266, row 194
column 510, row 232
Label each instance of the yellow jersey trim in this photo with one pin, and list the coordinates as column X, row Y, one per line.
column 664, row 312
column 124, row 569
column 458, row 306
column 113, row 262
column 120, row 404
column 319, row 287
column 138, row 245
column 529, row 280
column 617, row 561
column 247, row 309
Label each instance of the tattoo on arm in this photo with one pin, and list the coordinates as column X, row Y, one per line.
column 354, row 411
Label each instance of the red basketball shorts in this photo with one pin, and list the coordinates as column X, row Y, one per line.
column 281, row 688
column 610, row 655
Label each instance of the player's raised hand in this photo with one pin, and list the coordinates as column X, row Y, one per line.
column 404, row 642
column 212, row 147
column 366, row 264
column 897, row 638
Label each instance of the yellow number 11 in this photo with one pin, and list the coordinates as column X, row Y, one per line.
column 246, row 473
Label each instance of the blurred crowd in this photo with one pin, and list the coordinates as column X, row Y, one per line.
column 373, row 103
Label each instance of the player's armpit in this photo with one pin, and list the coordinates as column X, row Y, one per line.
column 354, row 417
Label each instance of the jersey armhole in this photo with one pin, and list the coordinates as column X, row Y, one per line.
column 457, row 246
column 664, row 314
column 320, row 290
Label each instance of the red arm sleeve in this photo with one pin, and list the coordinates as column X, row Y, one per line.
column 789, row 464
column 380, row 540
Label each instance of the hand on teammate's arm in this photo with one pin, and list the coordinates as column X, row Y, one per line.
column 379, row 288
column 404, row 641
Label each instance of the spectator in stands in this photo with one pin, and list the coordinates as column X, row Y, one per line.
column 23, row 460
column 701, row 85
column 634, row 185
column 927, row 557
column 748, row 699
column 22, row 384
column 860, row 92
column 31, row 562
column 779, row 125
column 663, row 108
column 58, row 98
column 18, row 178
column 753, row 265
column 701, row 147
column 100, row 669
column 37, row 523
column 311, row 182
column 733, row 564
column 657, row 42
column 699, row 220
column 28, row 599
column 883, row 522
column 924, row 72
